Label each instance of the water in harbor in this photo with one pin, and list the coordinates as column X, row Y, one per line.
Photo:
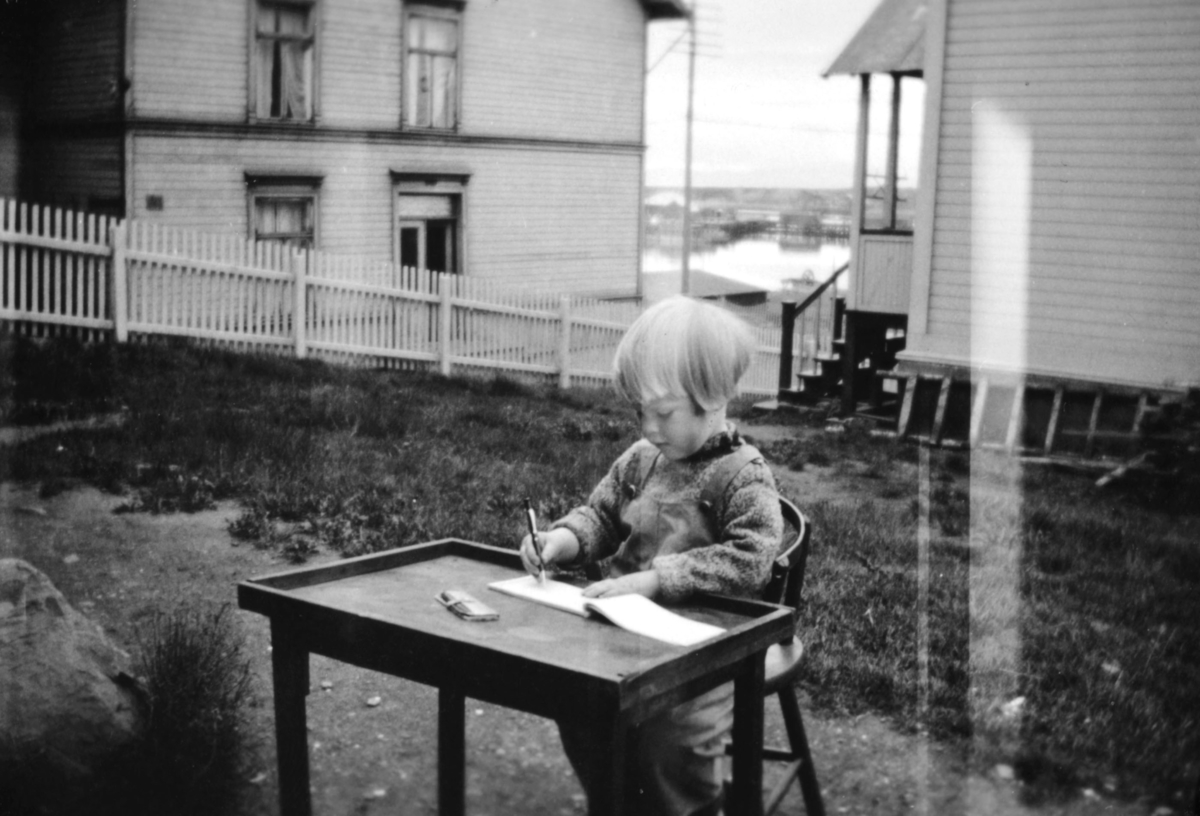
column 759, row 262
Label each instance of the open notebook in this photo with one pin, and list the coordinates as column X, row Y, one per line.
column 636, row 613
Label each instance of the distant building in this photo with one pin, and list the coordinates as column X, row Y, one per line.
column 496, row 139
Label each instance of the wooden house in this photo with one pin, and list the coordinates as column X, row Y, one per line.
column 496, row 139
column 1050, row 284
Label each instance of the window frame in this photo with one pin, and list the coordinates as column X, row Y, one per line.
column 278, row 186
column 313, row 8
column 438, row 9
column 444, row 183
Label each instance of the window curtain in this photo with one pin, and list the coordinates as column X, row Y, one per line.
column 432, row 72
column 285, row 62
column 293, row 101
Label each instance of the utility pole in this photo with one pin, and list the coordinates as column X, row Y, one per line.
column 685, row 283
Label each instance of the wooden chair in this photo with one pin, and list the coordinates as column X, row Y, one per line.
column 783, row 664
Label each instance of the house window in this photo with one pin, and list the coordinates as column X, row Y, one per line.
column 284, row 42
column 431, row 67
column 284, row 210
column 429, row 222
column 427, row 230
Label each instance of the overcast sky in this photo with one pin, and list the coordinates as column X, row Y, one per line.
column 764, row 116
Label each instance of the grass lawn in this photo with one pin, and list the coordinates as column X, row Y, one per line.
column 1017, row 611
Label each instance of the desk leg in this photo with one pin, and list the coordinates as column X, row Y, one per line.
column 746, row 794
column 451, row 753
column 289, row 664
column 611, row 795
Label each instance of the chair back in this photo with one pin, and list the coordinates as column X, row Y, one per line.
column 786, row 583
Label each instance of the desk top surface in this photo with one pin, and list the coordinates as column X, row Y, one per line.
column 393, row 595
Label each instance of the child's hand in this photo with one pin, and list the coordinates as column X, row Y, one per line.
column 641, row 583
column 559, row 546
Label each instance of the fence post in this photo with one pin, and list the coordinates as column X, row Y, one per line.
column 445, row 311
column 300, row 307
column 118, row 280
column 564, row 343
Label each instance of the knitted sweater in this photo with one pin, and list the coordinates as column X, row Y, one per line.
column 748, row 522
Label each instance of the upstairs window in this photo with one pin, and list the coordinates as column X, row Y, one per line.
column 282, row 71
column 431, row 41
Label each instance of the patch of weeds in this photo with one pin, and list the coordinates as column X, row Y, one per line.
column 179, row 493
column 793, row 454
column 193, row 748
column 586, row 428
column 299, row 549
column 252, row 524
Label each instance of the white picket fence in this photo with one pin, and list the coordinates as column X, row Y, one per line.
column 98, row 276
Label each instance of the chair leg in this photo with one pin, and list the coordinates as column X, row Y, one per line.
column 809, row 787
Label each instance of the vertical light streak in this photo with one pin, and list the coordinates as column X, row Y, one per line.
column 1001, row 211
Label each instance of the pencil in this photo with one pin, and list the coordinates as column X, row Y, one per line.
column 537, row 547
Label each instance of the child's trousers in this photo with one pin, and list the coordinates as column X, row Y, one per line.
column 679, row 760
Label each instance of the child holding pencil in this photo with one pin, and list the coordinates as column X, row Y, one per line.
column 691, row 507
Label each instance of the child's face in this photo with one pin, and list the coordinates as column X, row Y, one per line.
column 672, row 425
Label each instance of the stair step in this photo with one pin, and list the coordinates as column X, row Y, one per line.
column 795, row 396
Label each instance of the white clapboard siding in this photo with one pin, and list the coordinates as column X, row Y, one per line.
column 877, row 286
column 1107, row 246
column 564, row 69
column 557, row 218
column 190, row 59
column 547, row 69
column 360, row 64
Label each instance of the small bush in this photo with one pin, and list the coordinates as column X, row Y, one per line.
column 195, row 742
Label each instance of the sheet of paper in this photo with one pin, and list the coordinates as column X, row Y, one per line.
column 639, row 614
column 635, row 613
column 553, row 593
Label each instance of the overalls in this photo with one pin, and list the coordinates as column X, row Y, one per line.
column 680, row 750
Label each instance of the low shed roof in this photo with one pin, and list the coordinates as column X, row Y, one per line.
column 892, row 40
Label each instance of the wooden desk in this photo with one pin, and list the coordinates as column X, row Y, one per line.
column 378, row 612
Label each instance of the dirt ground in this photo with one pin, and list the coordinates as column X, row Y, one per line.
column 380, row 758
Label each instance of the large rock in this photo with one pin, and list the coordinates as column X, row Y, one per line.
column 65, row 693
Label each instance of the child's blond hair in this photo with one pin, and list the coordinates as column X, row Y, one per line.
column 684, row 347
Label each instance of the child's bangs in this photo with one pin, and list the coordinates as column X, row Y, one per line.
column 650, row 373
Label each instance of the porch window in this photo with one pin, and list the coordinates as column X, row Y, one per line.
column 891, row 162
column 282, row 70
column 431, row 41
column 284, row 210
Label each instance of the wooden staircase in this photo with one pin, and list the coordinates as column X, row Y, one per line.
column 820, row 374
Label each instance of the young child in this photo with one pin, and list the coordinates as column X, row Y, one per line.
column 650, row 529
